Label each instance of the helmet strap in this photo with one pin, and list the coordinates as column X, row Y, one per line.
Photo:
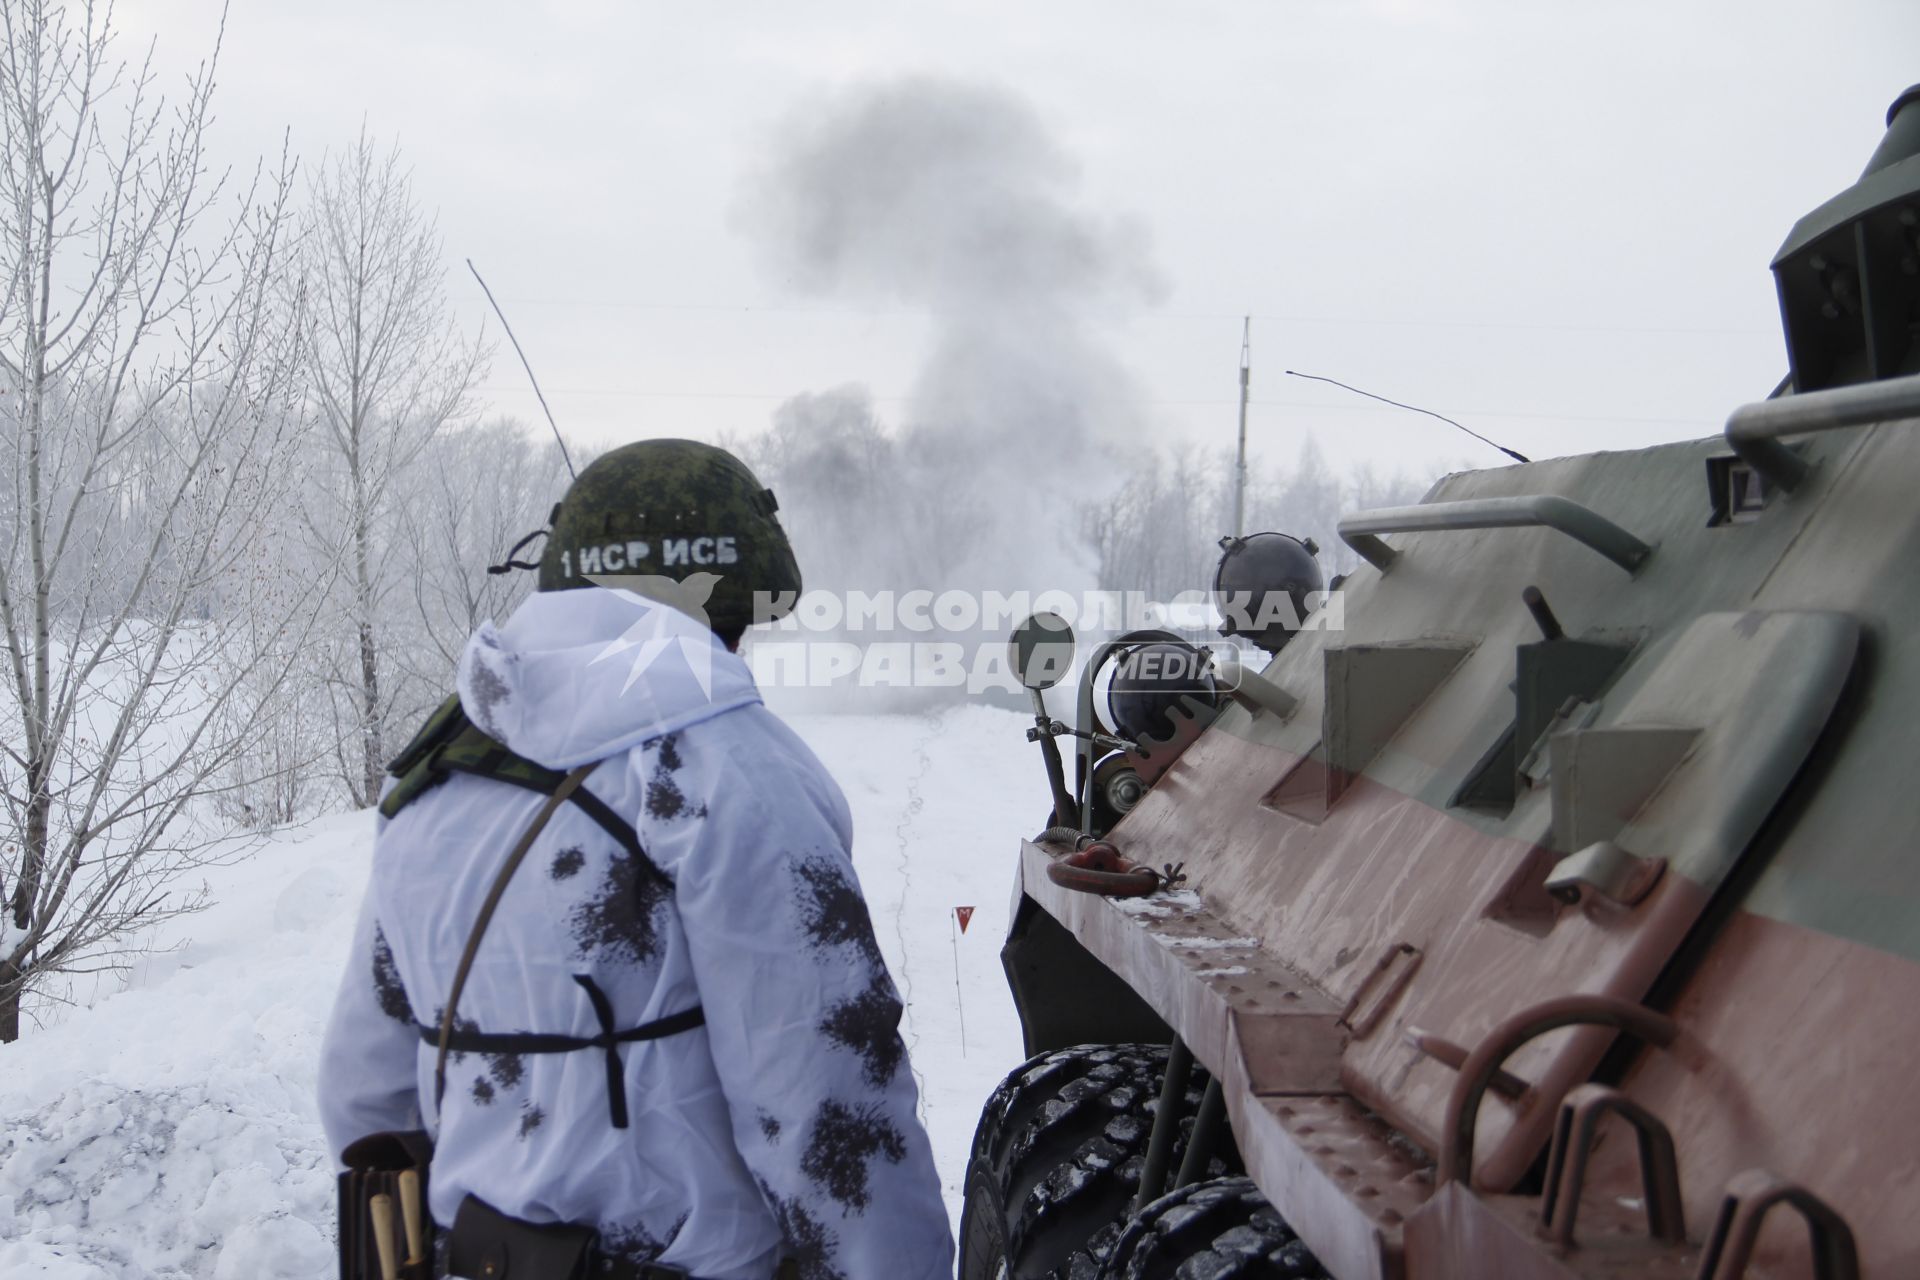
column 510, row 564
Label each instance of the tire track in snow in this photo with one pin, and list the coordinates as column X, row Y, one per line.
column 903, row 838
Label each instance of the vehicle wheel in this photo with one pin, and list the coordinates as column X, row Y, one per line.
column 1057, row 1158
column 1219, row 1230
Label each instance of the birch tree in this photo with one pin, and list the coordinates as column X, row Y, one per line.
column 389, row 370
column 145, row 389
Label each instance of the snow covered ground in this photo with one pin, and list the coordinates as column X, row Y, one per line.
column 170, row 1131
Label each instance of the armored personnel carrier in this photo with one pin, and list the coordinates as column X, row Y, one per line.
column 1556, row 916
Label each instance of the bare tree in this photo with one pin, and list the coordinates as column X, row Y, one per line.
column 1159, row 530
column 389, row 370
column 145, row 415
column 481, row 489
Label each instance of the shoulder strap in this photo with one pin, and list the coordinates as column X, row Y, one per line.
column 417, row 765
column 447, row 719
column 473, row 752
column 568, row 785
column 450, row 743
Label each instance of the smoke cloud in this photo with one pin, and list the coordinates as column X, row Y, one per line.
column 951, row 200
column 938, row 194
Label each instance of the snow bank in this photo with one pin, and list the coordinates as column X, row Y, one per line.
column 169, row 1131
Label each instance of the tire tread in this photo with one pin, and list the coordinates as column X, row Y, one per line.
column 1222, row 1229
column 1057, row 1157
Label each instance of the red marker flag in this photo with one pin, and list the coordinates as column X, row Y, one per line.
column 965, row 914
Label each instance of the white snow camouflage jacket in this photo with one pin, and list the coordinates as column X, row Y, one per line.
column 785, row 1124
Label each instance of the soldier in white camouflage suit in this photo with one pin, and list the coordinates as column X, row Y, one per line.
column 678, row 1028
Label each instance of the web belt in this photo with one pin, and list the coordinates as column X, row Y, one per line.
column 609, row 1040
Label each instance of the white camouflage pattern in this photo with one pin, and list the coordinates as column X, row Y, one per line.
column 786, row 1125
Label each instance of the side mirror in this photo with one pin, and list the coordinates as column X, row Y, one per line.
column 1042, row 650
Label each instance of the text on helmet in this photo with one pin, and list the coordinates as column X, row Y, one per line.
column 619, row 557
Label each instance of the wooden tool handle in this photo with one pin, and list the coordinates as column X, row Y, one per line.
column 381, row 1206
column 410, row 1211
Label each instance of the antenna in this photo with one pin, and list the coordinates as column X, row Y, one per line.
column 1414, row 408
column 564, row 455
column 1240, row 460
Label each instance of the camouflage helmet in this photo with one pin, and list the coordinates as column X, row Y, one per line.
column 669, row 510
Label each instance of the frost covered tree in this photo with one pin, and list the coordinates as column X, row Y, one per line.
column 145, row 387
column 1159, row 531
column 479, row 490
column 389, row 370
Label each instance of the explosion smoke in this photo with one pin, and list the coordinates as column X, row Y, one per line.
column 953, row 200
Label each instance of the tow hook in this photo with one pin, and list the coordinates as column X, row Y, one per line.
column 1102, row 869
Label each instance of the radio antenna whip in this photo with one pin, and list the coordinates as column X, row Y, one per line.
column 564, row 455
column 1517, row 457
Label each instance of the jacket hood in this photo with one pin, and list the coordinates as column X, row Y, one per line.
column 574, row 676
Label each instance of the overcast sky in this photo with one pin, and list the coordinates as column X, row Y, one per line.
column 1549, row 220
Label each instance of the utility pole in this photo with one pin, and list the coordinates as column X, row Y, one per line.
column 1240, row 461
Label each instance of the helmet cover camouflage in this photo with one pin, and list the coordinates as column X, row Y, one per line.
column 670, row 509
